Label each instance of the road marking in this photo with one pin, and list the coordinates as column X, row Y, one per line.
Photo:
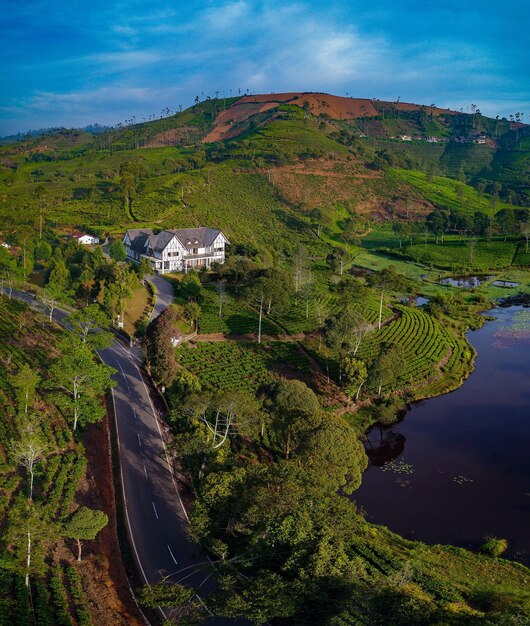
column 154, row 509
column 124, row 376
column 145, row 471
column 163, row 443
column 172, row 555
column 139, row 440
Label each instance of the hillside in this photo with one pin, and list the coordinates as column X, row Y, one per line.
column 259, row 163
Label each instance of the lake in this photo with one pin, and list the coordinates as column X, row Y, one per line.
column 457, row 468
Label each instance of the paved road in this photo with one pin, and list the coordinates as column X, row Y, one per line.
column 164, row 294
column 156, row 519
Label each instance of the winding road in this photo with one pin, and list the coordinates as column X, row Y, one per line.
column 156, row 520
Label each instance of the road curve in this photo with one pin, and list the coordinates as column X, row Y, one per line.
column 156, row 520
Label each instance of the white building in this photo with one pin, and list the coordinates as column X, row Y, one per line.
column 84, row 239
column 176, row 250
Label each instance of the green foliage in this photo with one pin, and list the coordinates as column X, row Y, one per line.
column 85, row 523
column 81, row 380
column 231, row 366
column 117, row 250
column 494, row 546
column 456, row 255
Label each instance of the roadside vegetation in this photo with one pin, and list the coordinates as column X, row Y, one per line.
column 51, row 390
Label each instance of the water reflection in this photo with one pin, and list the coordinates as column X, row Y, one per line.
column 384, row 445
column 465, row 281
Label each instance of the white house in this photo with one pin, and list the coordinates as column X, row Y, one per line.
column 176, row 250
column 84, row 239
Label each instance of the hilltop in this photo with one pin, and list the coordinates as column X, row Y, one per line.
column 263, row 163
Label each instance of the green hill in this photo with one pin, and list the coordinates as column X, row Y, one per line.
column 258, row 166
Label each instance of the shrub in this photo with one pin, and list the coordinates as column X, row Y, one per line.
column 494, row 546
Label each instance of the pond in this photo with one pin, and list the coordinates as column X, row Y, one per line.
column 469, row 282
column 457, row 468
column 504, row 283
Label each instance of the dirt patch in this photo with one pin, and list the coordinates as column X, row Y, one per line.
column 230, row 121
column 105, row 580
column 171, row 137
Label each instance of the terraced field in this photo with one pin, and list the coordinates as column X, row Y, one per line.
column 425, row 342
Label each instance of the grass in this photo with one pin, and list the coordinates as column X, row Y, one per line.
column 459, row 256
column 136, row 308
column 449, row 193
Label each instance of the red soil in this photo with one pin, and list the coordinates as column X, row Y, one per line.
column 335, row 107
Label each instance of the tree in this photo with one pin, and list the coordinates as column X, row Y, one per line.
column 43, row 251
column 29, row 531
column 29, row 448
column 117, row 250
column 86, row 280
column 277, row 287
column 191, row 312
column 51, row 296
column 297, row 411
column 336, row 259
column 90, row 324
column 221, row 292
column 346, row 330
column 84, row 523
column 505, row 219
column 25, row 382
column 387, row 278
column 184, row 604
column 144, row 268
column 481, row 223
column 388, row 365
column 223, row 414
column 301, row 272
column 333, row 456
column 159, row 346
column 82, row 381
column 60, row 277
column 437, row 223
column 355, row 375
column 190, row 286
column 122, row 283
column 525, row 230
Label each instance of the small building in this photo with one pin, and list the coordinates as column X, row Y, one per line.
column 406, row 138
column 84, row 239
column 176, row 250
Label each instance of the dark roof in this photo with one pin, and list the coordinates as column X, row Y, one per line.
column 162, row 239
column 201, row 237
column 138, row 244
column 134, row 232
column 190, row 238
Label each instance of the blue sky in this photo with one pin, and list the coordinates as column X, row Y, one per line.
column 71, row 63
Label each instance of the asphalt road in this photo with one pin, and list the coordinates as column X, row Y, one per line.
column 164, row 294
column 157, row 522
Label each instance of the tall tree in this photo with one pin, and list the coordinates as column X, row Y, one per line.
column 386, row 279
column 29, row 447
column 82, row 381
column 117, row 250
column 297, row 411
column 25, row 382
column 91, row 325
column 28, row 532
